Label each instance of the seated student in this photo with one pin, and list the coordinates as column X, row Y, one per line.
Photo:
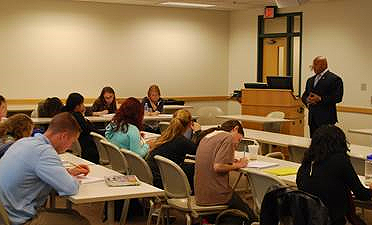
column 15, row 127
column 50, row 107
column 3, row 108
column 154, row 105
column 326, row 172
column 75, row 105
column 105, row 103
column 214, row 161
column 124, row 129
column 31, row 168
column 172, row 144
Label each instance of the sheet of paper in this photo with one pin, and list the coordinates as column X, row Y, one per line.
column 89, row 179
column 260, row 164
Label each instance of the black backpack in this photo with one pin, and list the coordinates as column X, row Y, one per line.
column 232, row 217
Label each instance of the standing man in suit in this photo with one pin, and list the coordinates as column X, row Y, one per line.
column 323, row 91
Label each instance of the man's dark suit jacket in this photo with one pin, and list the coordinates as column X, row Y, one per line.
column 330, row 89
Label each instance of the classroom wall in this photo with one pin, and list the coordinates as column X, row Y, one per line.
column 340, row 30
column 53, row 47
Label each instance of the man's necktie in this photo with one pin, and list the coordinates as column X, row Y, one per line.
column 316, row 80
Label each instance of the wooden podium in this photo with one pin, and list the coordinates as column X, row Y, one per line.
column 261, row 102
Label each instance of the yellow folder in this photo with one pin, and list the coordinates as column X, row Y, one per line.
column 282, row 171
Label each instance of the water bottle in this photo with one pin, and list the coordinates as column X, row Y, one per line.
column 368, row 170
column 146, row 107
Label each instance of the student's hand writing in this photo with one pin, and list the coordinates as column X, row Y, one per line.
column 241, row 163
column 78, row 170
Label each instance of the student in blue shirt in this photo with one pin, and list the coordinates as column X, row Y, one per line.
column 124, row 129
column 31, row 168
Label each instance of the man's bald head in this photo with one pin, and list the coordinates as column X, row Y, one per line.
column 319, row 64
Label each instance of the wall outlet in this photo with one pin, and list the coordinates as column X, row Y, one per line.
column 363, row 87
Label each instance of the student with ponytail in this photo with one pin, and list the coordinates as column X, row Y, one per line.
column 172, row 144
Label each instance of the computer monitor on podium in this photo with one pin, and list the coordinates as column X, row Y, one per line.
column 280, row 82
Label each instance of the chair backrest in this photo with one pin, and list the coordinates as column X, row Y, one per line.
column 276, row 114
column 4, row 215
column 274, row 127
column 138, row 166
column 296, row 154
column 163, row 125
column 207, row 115
column 103, row 154
column 260, row 183
column 174, row 179
column 76, row 148
column 276, row 155
column 287, row 206
column 117, row 159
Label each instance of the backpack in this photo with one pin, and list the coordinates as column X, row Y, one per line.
column 232, row 217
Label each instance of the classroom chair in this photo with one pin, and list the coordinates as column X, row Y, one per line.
column 261, row 183
column 207, row 115
column 139, row 167
column 103, row 155
column 117, row 159
column 178, row 193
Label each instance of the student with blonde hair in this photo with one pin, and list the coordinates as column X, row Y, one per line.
column 14, row 128
column 172, row 144
column 153, row 105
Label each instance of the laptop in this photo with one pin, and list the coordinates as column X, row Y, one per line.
column 279, row 82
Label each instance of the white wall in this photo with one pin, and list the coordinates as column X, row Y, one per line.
column 53, row 47
column 340, row 30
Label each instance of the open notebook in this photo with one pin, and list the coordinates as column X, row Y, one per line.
column 89, row 179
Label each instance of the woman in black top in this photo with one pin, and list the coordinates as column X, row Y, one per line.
column 172, row 144
column 75, row 105
column 326, row 172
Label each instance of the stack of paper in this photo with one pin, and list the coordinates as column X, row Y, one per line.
column 260, row 164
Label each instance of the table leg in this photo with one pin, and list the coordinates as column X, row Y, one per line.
column 124, row 213
column 110, row 212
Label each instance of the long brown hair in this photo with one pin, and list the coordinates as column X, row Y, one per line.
column 17, row 126
column 130, row 111
column 177, row 126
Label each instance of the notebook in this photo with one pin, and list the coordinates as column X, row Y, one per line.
column 89, row 179
column 121, row 180
column 260, row 164
column 282, row 171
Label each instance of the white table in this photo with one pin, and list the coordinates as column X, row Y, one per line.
column 366, row 131
column 99, row 191
column 358, row 153
column 68, row 157
column 106, row 118
column 21, row 108
column 253, row 118
column 173, row 108
column 288, row 179
column 269, row 123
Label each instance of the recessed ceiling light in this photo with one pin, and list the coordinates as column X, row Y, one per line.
column 187, row 4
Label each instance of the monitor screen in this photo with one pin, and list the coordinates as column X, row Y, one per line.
column 277, row 82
